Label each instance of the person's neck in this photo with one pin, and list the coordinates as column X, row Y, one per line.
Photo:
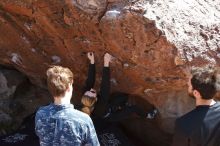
column 61, row 100
column 209, row 102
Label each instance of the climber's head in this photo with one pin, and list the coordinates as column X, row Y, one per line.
column 88, row 101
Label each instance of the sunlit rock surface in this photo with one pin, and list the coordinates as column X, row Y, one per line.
column 153, row 43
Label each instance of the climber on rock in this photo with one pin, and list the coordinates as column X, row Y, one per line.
column 112, row 107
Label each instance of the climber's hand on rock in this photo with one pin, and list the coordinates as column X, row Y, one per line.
column 91, row 57
column 107, row 59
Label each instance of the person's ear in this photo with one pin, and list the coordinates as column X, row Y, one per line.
column 69, row 87
column 196, row 94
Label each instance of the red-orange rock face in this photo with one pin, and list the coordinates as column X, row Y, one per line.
column 152, row 42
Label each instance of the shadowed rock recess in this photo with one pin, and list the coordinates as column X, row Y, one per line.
column 152, row 41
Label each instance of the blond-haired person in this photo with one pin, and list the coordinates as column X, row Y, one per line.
column 59, row 123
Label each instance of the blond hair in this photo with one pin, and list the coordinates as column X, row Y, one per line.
column 86, row 110
column 58, row 80
column 88, row 104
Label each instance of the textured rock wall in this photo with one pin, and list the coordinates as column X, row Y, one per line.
column 153, row 42
column 7, row 90
column 18, row 99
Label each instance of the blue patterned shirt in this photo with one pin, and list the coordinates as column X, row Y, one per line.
column 62, row 125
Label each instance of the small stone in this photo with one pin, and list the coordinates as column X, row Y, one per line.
column 146, row 91
column 126, row 65
column 33, row 50
column 28, row 25
column 113, row 81
column 178, row 61
column 16, row 58
column 81, row 15
column 25, row 39
column 67, row 20
column 112, row 13
column 56, row 59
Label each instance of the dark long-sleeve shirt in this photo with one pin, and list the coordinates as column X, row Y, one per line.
column 90, row 81
column 200, row 127
column 104, row 106
column 103, row 95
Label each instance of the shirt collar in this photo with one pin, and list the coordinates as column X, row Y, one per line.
column 62, row 106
